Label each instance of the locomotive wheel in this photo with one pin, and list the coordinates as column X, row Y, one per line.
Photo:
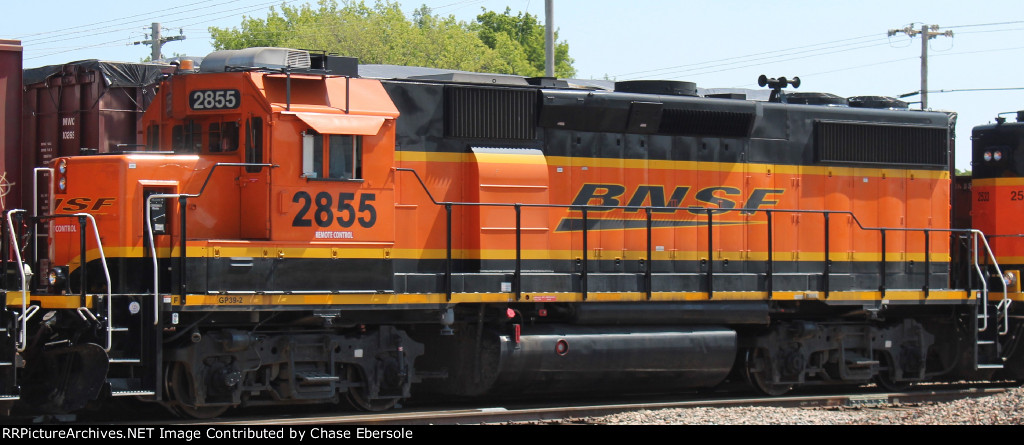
column 758, row 373
column 358, row 396
column 183, row 402
column 884, row 378
column 885, row 381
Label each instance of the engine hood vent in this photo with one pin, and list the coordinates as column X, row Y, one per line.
column 665, row 87
column 253, row 58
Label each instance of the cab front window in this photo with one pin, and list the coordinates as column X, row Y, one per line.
column 223, row 137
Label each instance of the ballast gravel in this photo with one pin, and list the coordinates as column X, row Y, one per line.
column 1000, row 409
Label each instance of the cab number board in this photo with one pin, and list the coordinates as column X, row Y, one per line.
column 214, row 99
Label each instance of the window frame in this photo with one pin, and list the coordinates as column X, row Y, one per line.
column 320, row 149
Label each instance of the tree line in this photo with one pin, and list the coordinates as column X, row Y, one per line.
column 382, row 34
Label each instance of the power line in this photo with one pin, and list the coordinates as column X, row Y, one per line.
column 961, row 90
column 180, row 11
column 757, row 62
column 748, row 55
column 986, row 24
column 745, row 59
column 927, row 33
column 65, row 30
column 157, row 40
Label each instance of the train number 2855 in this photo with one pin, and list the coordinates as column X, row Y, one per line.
column 214, row 99
column 321, row 209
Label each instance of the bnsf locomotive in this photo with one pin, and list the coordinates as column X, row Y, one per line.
column 288, row 232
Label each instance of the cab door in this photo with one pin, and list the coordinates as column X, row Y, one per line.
column 254, row 184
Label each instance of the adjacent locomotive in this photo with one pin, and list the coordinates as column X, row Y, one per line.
column 292, row 233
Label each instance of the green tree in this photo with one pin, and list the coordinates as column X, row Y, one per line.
column 522, row 35
column 383, row 34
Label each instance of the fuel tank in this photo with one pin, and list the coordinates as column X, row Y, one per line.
column 564, row 358
column 557, row 358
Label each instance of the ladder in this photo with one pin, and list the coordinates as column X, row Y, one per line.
column 993, row 317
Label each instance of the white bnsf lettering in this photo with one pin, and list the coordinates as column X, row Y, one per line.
column 65, row 228
column 325, row 234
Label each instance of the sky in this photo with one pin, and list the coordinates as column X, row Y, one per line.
column 839, row 47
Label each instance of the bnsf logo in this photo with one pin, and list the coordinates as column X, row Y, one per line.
column 725, row 198
column 81, row 204
column 719, row 199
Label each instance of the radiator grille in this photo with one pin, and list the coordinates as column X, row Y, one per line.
column 867, row 143
column 488, row 113
column 705, row 123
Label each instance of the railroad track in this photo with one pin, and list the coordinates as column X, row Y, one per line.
column 555, row 413
column 525, row 412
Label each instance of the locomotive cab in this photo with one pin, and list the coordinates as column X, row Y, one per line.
column 260, row 161
column 254, row 180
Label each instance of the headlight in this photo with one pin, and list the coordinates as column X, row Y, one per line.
column 62, row 184
column 988, row 156
column 62, row 166
column 997, row 155
column 57, row 278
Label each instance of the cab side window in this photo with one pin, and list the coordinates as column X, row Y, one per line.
column 332, row 156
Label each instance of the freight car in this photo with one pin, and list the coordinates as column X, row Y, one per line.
column 288, row 232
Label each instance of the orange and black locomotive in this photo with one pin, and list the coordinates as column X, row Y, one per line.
column 286, row 231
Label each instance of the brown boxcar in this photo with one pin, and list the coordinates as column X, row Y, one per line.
column 10, row 117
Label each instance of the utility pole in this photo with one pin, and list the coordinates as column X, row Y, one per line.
column 157, row 41
column 927, row 33
column 549, row 38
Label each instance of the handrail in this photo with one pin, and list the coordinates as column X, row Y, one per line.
column 106, row 274
column 22, row 340
column 103, row 262
column 181, row 197
column 984, row 283
column 709, row 211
